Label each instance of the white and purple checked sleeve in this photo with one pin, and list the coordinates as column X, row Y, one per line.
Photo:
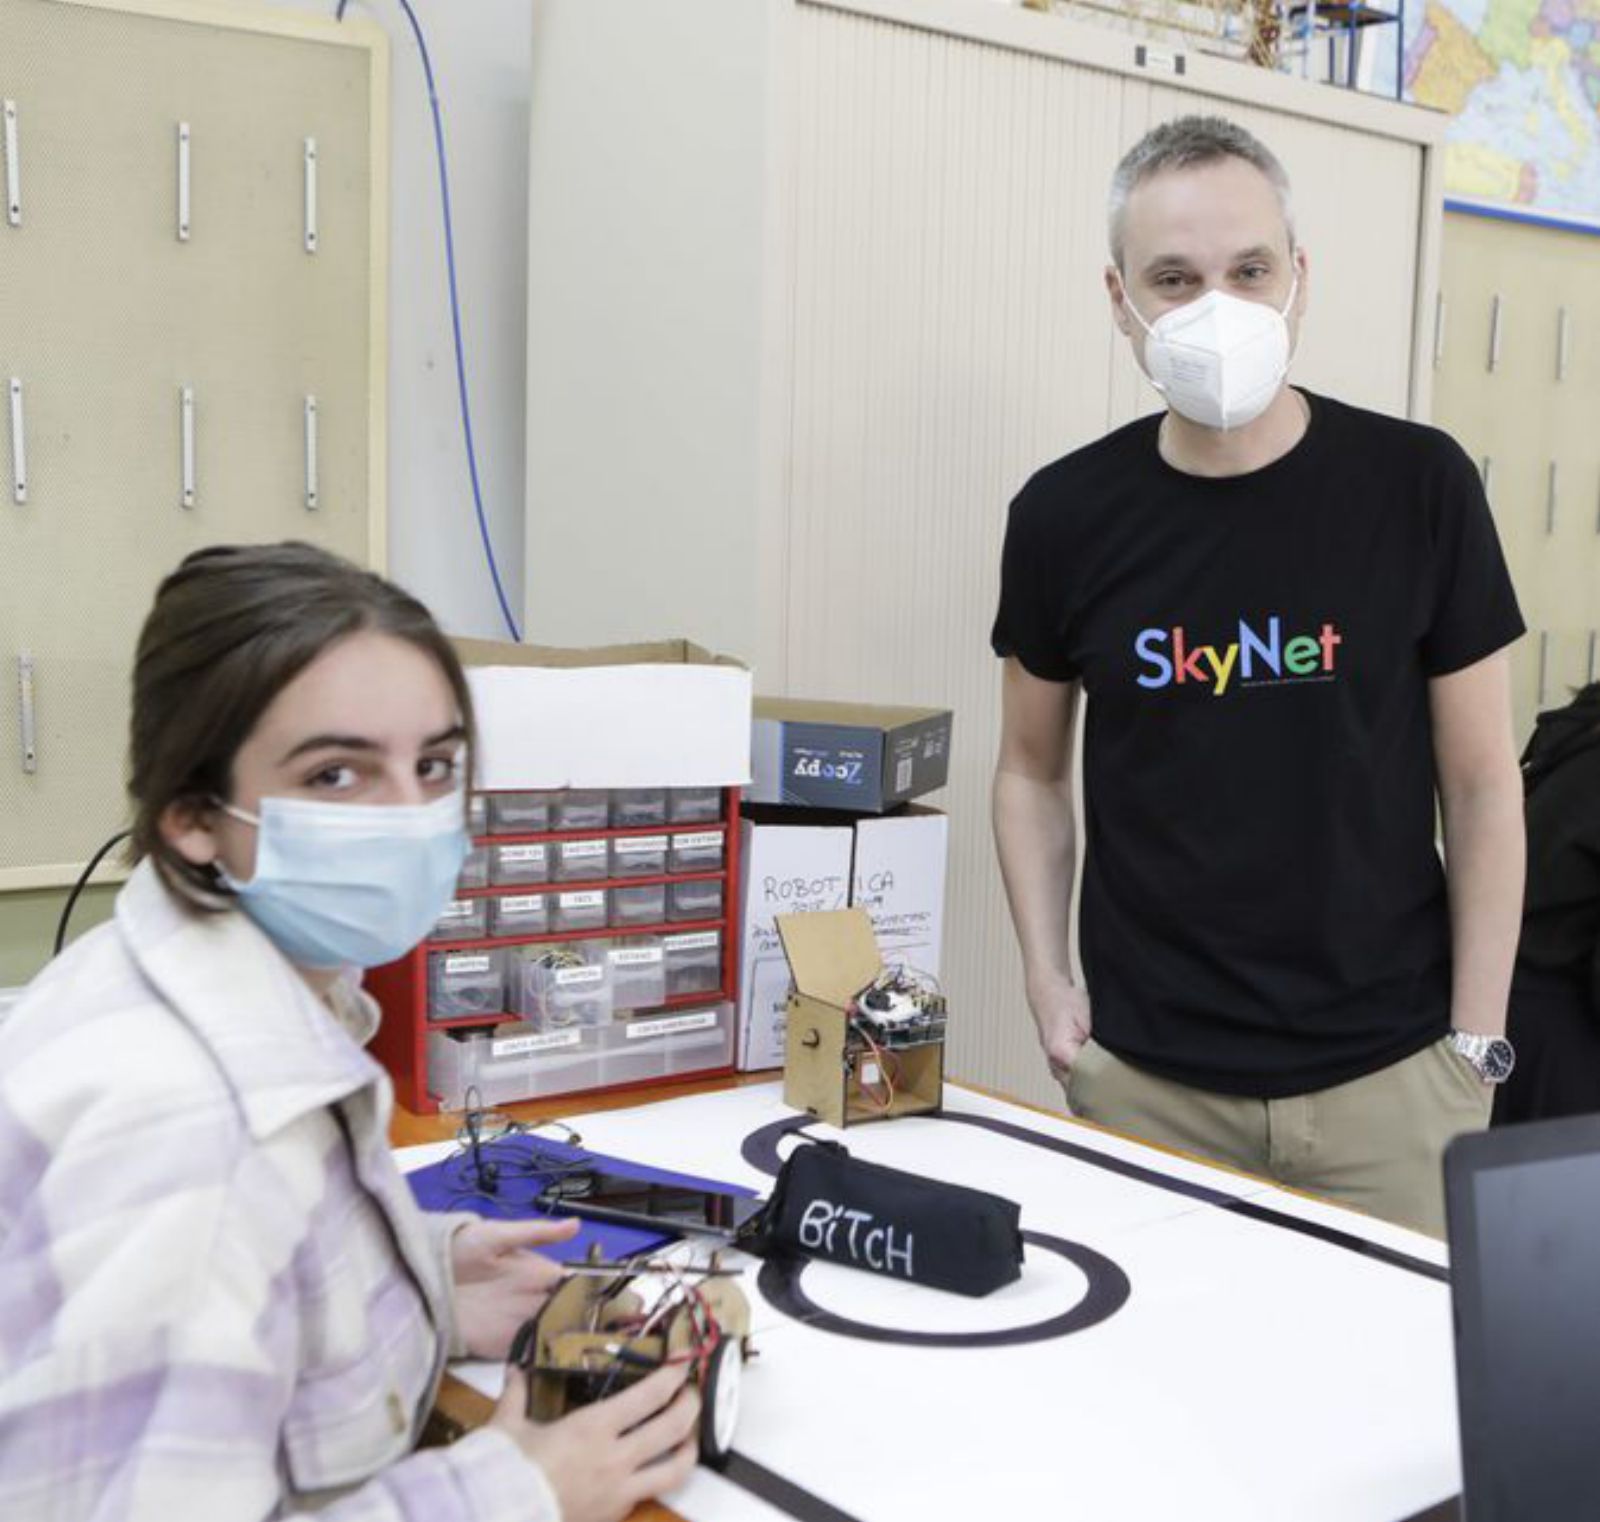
column 217, row 1299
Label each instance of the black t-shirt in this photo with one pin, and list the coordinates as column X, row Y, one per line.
column 1263, row 907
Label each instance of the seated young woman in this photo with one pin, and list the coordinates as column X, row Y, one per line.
column 217, row 1297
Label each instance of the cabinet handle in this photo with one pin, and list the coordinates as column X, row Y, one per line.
column 186, row 441
column 183, row 182
column 311, row 195
column 13, row 166
column 19, row 445
column 311, row 454
column 30, row 749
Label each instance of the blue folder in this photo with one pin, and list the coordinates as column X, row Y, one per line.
column 527, row 1164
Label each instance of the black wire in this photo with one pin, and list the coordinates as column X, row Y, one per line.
column 481, row 1165
column 78, row 887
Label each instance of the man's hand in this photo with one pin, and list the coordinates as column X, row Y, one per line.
column 499, row 1281
column 1061, row 1011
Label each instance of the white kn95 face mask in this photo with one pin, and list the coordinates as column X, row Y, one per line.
column 1220, row 359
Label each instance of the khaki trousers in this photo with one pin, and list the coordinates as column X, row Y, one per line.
column 1376, row 1143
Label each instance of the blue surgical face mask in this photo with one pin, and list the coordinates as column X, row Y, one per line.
column 351, row 884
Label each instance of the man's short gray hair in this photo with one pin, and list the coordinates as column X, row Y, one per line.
column 1186, row 143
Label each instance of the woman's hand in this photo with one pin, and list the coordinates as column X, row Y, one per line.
column 500, row 1281
column 603, row 1460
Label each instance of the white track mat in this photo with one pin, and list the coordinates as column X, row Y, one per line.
column 1183, row 1343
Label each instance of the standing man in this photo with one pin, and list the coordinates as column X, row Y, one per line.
column 1290, row 619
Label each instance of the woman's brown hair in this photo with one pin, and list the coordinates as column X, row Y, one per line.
column 230, row 629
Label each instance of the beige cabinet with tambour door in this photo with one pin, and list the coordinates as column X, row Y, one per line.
column 846, row 260
column 191, row 300
column 1517, row 381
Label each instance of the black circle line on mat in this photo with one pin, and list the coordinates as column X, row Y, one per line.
column 1108, row 1291
column 779, row 1280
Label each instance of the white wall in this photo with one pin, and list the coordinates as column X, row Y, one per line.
column 646, row 286
column 481, row 61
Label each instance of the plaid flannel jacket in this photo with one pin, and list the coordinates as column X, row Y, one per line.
column 217, row 1297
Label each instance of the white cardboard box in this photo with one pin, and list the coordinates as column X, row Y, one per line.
column 668, row 714
column 788, row 869
column 893, row 867
column 898, row 878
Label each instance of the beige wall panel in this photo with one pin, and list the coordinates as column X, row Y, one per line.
column 647, row 149
column 950, row 337
column 105, row 314
column 1521, row 415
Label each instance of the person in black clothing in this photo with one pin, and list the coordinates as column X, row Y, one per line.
column 1554, row 1020
column 1286, row 620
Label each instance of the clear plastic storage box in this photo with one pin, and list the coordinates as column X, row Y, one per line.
column 695, row 900
column 462, row 920
column 519, row 813
column 638, row 973
column 639, row 856
column 511, row 1062
column 475, row 869
column 697, row 851
column 557, row 987
column 641, row 1047
column 646, row 905
column 519, row 914
column 463, row 983
column 581, row 861
column 693, row 962
column 512, row 866
column 636, row 808
column 694, row 805
column 516, row 1062
column 581, row 809
column 583, row 910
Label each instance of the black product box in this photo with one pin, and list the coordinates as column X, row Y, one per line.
column 863, row 757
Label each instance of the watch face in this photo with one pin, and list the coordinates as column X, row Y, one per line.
column 1498, row 1060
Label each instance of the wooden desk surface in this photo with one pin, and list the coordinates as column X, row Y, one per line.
column 460, row 1407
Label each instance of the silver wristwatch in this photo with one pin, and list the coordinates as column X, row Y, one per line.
column 1492, row 1056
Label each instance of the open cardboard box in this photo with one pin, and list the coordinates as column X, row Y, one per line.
column 663, row 714
column 833, row 956
column 864, row 757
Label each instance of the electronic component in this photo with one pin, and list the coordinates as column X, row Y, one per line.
column 559, row 986
column 597, row 1335
column 649, row 1202
column 900, row 1008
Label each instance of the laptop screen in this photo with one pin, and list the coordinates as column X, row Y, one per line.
column 1525, row 1269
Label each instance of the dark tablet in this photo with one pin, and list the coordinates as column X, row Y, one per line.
column 1524, row 1218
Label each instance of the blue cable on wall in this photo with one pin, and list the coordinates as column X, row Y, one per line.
column 455, row 310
